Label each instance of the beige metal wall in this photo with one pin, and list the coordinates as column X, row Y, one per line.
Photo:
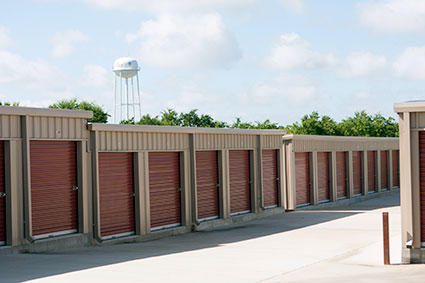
column 331, row 144
column 411, row 121
column 144, row 139
column 20, row 125
column 10, row 127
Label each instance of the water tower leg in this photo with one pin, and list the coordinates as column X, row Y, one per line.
column 121, row 99
column 138, row 94
column 133, row 102
column 115, row 99
column 128, row 103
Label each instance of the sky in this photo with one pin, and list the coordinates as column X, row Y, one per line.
column 257, row 60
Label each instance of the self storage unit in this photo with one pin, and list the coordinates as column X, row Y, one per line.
column 44, row 186
column 328, row 168
column 412, row 179
column 178, row 177
column 65, row 182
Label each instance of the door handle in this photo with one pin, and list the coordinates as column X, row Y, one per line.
column 74, row 188
column 133, row 194
column 3, row 194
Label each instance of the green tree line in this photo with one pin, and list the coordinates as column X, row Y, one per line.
column 360, row 124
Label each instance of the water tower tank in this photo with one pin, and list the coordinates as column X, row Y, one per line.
column 127, row 95
column 126, row 67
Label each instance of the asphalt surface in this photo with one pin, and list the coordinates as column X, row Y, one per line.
column 342, row 244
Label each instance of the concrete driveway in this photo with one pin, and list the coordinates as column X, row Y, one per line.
column 341, row 244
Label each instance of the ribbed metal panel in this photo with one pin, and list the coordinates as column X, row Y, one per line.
column 341, row 174
column 371, row 172
column 271, row 141
column 116, row 189
column 269, row 164
column 323, row 176
column 357, row 172
column 164, row 192
column 222, row 141
column 302, row 178
column 422, row 182
column 2, row 199
column 384, row 170
column 207, row 184
column 127, row 141
column 240, row 194
column 396, row 168
column 10, row 126
column 356, row 144
column 57, row 128
column 53, row 175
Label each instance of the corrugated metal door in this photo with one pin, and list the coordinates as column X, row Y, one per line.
column 240, row 188
column 164, row 189
column 323, row 176
column 341, row 175
column 422, row 182
column 53, row 182
column 371, row 171
column 384, row 170
column 396, row 169
column 357, row 173
column 116, row 194
column 207, row 185
column 302, row 178
column 2, row 198
column 269, row 164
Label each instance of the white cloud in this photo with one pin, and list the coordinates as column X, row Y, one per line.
column 293, row 52
column 5, row 40
column 393, row 15
column 362, row 64
column 295, row 6
column 410, row 63
column 187, row 42
column 64, row 42
column 171, row 6
column 97, row 76
column 292, row 89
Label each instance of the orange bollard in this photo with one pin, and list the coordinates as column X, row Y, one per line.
column 386, row 238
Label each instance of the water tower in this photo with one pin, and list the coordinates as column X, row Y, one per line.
column 126, row 104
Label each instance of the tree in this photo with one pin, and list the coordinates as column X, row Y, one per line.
column 99, row 115
column 314, row 124
column 170, row 118
column 7, row 103
column 363, row 124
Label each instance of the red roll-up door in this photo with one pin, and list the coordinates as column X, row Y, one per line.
column 341, row 175
column 2, row 198
column 164, row 189
column 240, row 189
column 207, row 184
column 323, row 176
column 357, row 173
column 384, row 170
column 422, row 182
column 116, row 194
column 269, row 164
column 53, row 179
column 302, row 178
column 371, row 171
column 396, row 169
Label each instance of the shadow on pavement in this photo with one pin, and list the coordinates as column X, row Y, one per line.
column 22, row 267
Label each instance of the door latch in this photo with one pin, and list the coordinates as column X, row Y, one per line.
column 133, row 194
column 74, row 188
column 179, row 189
column 3, row 194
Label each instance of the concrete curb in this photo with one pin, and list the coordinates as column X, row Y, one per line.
column 350, row 201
